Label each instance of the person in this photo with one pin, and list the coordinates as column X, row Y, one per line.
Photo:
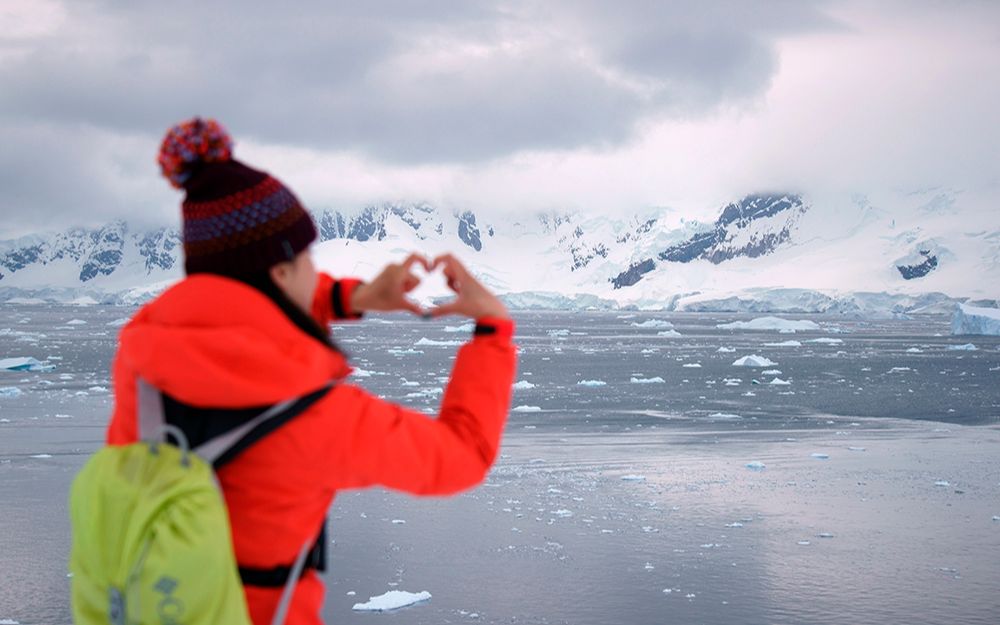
column 247, row 328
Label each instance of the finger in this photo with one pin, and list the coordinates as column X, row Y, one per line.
column 416, row 258
column 410, row 282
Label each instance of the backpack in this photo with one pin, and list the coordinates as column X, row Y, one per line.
column 151, row 538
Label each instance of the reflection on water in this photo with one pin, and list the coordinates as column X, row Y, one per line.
column 868, row 533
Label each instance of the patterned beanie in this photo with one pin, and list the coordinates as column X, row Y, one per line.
column 237, row 220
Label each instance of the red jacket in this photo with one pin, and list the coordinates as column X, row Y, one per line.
column 214, row 342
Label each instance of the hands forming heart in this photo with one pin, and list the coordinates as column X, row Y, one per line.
column 387, row 292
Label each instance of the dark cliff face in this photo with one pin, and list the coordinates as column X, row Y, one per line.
column 716, row 244
column 468, row 232
column 919, row 270
column 712, row 245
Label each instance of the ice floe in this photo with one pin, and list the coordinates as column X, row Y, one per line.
column 562, row 513
column 726, row 350
column 826, row 340
column 392, row 600
column 771, row 372
column 780, row 382
column 942, row 483
column 633, row 478
column 754, row 360
column 967, row 347
column 669, row 333
column 691, row 365
column 76, row 322
column 591, row 383
column 975, row 320
column 724, row 416
column 24, row 364
column 465, row 327
column 10, row 391
column 561, row 332
column 653, row 380
column 652, row 323
column 526, row 409
column 41, row 456
column 117, row 323
column 820, row 456
column 426, row 341
column 523, row 385
column 756, row 465
column 771, row 323
column 784, row 344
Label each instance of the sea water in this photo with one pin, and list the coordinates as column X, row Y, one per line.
column 643, row 477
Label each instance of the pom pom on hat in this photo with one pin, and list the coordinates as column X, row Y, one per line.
column 189, row 143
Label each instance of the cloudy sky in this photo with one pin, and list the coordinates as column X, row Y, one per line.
column 506, row 106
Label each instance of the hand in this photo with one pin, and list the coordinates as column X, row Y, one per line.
column 387, row 292
column 473, row 299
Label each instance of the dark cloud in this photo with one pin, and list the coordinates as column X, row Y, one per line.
column 410, row 82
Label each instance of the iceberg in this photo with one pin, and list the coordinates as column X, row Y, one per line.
column 653, row 380
column 784, row 344
column 591, row 383
column 465, row 327
column 653, row 323
column 426, row 341
column 523, row 385
column 670, row 333
column 825, row 340
column 392, row 600
column 967, row 347
column 526, row 409
column 754, row 361
column 771, row 323
column 24, row 364
column 9, row 391
column 780, row 382
column 975, row 320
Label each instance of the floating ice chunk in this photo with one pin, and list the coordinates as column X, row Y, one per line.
column 942, row 483
column 653, row 380
column 591, row 383
column 756, row 465
column 653, row 323
column 5, row 420
column 770, row 323
column 426, row 341
column 8, row 621
column 10, row 391
column 633, row 478
column 41, row 456
column 399, row 521
column 98, row 389
column 771, row 372
column 996, row 518
column 967, row 347
column 825, row 340
column 914, row 350
column 899, row 369
column 649, row 566
column 804, row 542
column 726, row 350
column 780, row 382
column 358, row 372
column 465, row 327
column 117, row 323
column 76, row 322
column 820, row 456
column 975, row 320
column 669, row 333
column 724, row 416
column 784, row 344
column 392, row 600
column 753, row 361
column 562, row 513
column 404, row 352
column 825, row 535
column 856, row 449
column 691, row 365
column 24, row 364
column 732, row 381
column 561, row 332
column 734, row 524
column 523, row 385
column 526, row 409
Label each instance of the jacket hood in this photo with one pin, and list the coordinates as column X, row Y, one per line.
column 213, row 341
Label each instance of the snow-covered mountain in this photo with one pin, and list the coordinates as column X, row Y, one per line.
column 767, row 251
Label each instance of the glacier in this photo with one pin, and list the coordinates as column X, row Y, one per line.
column 975, row 320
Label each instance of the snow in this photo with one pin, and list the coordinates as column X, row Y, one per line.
column 653, row 380
column 591, row 383
column 975, row 320
column 10, row 391
column 426, row 341
column 523, row 385
column 24, row 364
column 771, row 323
column 392, row 600
column 780, row 382
column 968, row 347
column 754, row 360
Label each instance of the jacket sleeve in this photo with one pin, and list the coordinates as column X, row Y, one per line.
column 376, row 442
column 332, row 300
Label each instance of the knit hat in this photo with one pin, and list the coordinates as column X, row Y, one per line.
column 237, row 220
